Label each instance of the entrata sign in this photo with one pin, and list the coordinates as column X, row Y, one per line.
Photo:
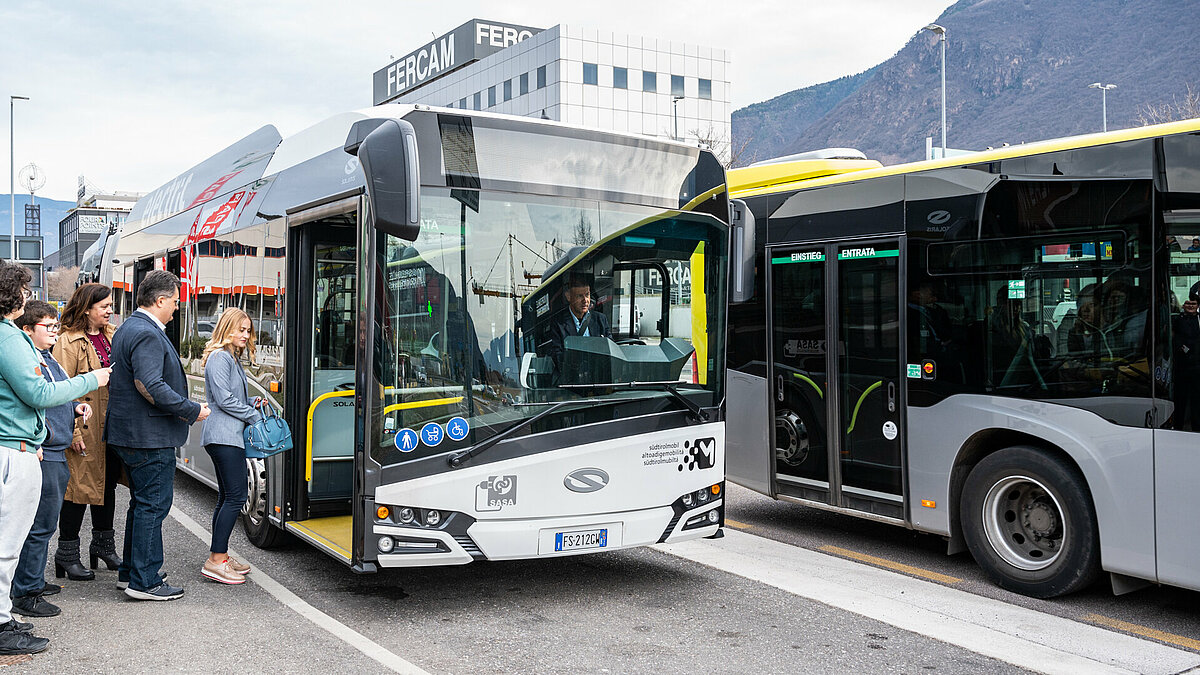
column 468, row 43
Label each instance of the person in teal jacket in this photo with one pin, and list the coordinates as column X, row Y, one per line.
column 24, row 395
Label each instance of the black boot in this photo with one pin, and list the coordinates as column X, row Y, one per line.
column 67, row 564
column 104, row 548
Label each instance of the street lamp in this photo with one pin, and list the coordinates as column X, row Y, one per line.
column 675, row 113
column 941, row 38
column 1103, row 100
column 12, row 190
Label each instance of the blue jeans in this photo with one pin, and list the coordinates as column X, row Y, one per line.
column 230, row 462
column 31, row 568
column 151, row 490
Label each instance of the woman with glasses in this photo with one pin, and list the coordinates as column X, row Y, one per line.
column 84, row 345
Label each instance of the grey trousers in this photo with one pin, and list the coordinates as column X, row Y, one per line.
column 20, row 492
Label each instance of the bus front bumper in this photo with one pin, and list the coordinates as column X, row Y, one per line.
column 517, row 539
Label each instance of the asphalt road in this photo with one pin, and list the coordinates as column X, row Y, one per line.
column 642, row 610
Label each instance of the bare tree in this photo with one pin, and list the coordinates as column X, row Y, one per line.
column 730, row 153
column 1186, row 109
column 60, row 283
column 583, row 232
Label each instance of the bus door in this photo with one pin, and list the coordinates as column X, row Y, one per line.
column 836, row 374
column 322, row 349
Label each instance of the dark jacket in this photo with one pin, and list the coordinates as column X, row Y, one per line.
column 148, row 405
column 594, row 323
column 226, row 387
column 60, row 420
column 1187, row 342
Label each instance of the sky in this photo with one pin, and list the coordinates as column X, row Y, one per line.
column 131, row 93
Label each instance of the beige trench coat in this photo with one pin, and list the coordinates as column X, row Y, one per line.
column 74, row 352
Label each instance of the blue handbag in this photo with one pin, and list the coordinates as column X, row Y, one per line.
column 268, row 436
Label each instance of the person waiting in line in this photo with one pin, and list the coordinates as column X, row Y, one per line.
column 84, row 345
column 40, row 323
column 24, row 394
column 147, row 419
column 226, row 389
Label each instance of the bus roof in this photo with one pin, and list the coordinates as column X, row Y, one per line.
column 782, row 177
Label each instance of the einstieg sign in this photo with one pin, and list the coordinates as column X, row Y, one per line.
column 468, row 43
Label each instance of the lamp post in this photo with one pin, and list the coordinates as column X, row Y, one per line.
column 12, row 190
column 1103, row 100
column 675, row 113
column 941, row 38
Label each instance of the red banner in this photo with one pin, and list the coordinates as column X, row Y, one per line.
column 213, row 189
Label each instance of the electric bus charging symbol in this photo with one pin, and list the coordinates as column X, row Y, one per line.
column 456, row 429
column 406, row 440
column 432, row 434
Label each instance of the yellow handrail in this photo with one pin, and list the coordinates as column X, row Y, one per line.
column 308, row 451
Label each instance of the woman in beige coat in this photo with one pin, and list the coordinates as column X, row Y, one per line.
column 84, row 345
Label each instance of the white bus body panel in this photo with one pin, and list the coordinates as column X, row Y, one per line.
column 1117, row 462
column 646, row 474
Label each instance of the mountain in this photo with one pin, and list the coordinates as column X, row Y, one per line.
column 1016, row 71
column 53, row 211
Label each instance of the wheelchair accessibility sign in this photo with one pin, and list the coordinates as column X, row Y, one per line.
column 456, row 429
column 406, row 440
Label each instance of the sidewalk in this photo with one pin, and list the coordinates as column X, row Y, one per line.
column 213, row 628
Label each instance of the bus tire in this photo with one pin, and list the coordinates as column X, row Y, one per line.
column 1028, row 521
column 255, row 520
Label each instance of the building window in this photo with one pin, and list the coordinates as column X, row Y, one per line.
column 590, row 74
column 524, row 83
column 508, row 90
column 620, row 78
column 541, row 77
column 677, row 85
column 462, row 103
column 491, row 100
column 649, row 81
column 705, row 88
column 278, row 252
column 478, row 105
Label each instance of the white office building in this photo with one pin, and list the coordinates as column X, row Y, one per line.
column 594, row 78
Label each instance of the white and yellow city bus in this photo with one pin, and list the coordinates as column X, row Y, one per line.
column 991, row 347
column 405, row 268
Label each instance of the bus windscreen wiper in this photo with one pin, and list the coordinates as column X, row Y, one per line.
column 459, row 458
column 697, row 413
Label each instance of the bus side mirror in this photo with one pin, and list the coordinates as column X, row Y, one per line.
column 387, row 151
column 741, row 251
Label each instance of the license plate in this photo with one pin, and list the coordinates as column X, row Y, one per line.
column 580, row 539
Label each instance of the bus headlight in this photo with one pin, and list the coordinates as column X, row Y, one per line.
column 688, row 500
column 702, row 495
column 406, row 515
column 432, row 518
column 713, row 516
column 386, row 544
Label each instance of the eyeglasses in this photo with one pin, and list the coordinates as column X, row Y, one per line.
column 50, row 327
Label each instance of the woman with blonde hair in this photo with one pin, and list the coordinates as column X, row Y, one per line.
column 227, row 391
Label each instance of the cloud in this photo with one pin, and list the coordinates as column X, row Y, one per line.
column 131, row 93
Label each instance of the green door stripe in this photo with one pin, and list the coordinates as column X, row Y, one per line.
column 854, row 417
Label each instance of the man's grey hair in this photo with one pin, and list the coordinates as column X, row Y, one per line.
column 155, row 285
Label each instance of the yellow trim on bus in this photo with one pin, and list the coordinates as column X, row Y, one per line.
column 742, row 189
column 771, row 175
column 701, row 198
column 312, row 409
column 699, row 315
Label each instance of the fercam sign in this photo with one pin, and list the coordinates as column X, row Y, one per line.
column 468, row 43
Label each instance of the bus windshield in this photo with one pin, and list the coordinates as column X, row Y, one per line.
column 506, row 304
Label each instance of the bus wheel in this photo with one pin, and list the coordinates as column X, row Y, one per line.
column 255, row 522
column 791, row 438
column 1027, row 520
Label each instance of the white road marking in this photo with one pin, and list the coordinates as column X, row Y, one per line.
column 1023, row 637
column 334, row 627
